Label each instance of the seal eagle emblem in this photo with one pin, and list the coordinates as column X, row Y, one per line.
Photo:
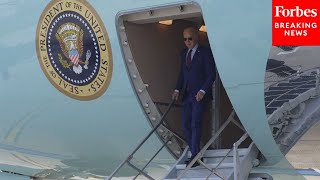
column 74, row 50
column 70, row 37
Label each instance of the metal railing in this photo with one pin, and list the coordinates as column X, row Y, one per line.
column 128, row 159
column 208, row 144
column 164, row 123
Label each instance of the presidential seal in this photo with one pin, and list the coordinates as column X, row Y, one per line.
column 74, row 49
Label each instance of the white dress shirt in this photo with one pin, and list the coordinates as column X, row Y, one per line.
column 193, row 51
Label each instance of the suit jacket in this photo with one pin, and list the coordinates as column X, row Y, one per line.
column 199, row 75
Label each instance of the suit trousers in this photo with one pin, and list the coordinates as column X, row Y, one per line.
column 192, row 115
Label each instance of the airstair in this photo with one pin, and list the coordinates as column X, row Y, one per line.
column 216, row 165
column 226, row 164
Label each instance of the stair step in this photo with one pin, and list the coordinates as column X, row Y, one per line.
column 212, row 177
column 200, row 173
column 221, row 153
column 218, row 160
column 214, row 160
column 212, row 165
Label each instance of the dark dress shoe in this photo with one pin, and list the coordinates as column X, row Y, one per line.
column 201, row 159
column 195, row 164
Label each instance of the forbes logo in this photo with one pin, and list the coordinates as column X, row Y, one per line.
column 295, row 23
column 296, row 12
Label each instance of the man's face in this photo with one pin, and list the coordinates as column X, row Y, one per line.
column 190, row 39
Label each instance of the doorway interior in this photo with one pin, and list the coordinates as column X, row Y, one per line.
column 151, row 41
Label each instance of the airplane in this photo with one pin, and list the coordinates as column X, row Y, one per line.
column 84, row 82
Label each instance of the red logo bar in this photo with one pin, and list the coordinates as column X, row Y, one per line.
column 295, row 22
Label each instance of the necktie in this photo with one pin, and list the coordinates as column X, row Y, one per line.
column 189, row 58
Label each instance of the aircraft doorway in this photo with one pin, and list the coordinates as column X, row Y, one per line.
column 152, row 53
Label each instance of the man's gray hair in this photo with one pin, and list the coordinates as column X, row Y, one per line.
column 191, row 29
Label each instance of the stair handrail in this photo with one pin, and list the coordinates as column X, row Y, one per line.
column 236, row 144
column 127, row 160
column 165, row 125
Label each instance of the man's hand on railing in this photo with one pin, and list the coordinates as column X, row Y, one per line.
column 175, row 95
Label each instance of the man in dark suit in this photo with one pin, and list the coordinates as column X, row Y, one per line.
column 197, row 74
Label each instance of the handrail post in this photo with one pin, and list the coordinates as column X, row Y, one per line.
column 236, row 159
column 235, row 162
